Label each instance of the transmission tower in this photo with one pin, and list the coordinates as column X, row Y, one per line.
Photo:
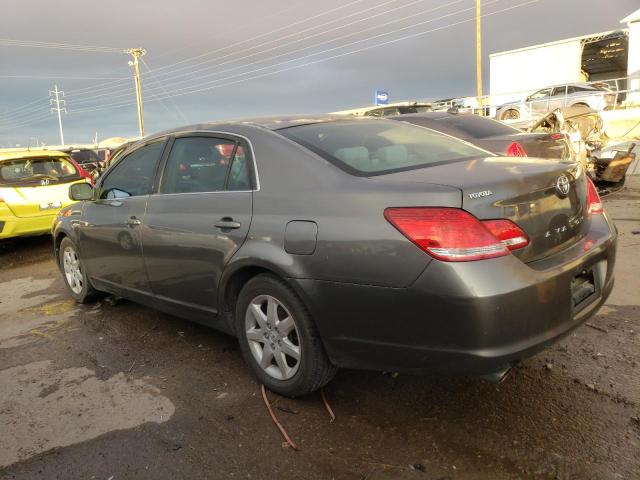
column 59, row 107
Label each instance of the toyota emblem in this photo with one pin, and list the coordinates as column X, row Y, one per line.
column 563, row 186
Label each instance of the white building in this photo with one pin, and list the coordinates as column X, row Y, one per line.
column 601, row 56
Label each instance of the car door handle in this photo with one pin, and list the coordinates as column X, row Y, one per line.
column 227, row 223
column 133, row 221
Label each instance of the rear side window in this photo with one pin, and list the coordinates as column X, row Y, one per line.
column 576, row 89
column 373, row 147
column 205, row 164
column 134, row 174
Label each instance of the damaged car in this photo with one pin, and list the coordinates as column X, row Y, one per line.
column 605, row 163
column 328, row 242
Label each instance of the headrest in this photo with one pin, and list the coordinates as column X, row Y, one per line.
column 392, row 155
column 356, row 157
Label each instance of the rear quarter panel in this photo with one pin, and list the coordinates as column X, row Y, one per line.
column 355, row 244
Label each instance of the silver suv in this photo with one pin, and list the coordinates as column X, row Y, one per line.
column 595, row 96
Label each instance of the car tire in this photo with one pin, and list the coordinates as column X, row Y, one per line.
column 510, row 114
column 273, row 327
column 74, row 273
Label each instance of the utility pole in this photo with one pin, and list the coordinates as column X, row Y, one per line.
column 479, row 55
column 59, row 108
column 136, row 53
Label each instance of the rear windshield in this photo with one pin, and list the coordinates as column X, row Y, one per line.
column 37, row 171
column 374, row 147
column 85, row 156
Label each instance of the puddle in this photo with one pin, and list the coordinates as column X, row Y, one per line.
column 42, row 408
column 18, row 294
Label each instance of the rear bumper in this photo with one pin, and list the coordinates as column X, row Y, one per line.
column 467, row 317
column 23, row 226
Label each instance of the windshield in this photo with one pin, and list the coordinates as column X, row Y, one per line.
column 374, row 147
column 37, row 171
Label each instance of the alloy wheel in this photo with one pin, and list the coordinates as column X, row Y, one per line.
column 273, row 337
column 72, row 270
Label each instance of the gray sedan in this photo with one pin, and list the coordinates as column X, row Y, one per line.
column 331, row 242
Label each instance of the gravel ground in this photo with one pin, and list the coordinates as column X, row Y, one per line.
column 115, row 391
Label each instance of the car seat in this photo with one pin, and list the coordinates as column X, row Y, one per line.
column 356, row 157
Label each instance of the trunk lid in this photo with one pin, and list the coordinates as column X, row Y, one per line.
column 36, row 200
column 523, row 190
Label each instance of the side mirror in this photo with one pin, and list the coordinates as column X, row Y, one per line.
column 80, row 191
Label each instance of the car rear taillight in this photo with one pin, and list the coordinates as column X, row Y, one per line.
column 448, row 234
column 508, row 233
column 516, row 150
column 594, row 204
column 556, row 136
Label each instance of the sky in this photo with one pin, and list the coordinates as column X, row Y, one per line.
column 213, row 59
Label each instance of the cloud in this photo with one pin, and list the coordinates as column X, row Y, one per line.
column 439, row 64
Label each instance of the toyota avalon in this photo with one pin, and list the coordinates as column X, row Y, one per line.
column 330, row 242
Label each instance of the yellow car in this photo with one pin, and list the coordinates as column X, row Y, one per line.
column 34, row 186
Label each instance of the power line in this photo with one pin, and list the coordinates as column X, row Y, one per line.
column 152, row 89
column 328, row 50
column 340, row 55
column 164, row 67
column 326, row 12
column 298, row 33
column 62, row 77
column 10, row 42
column 375, row 27
column 32, row 121
column 99, row 88
column 213, row 85
column 22, row 107
column 19, row 116
column 109, row 91
column 153, row 76
column 244, row 26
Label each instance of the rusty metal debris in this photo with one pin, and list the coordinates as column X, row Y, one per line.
column 327, row 406
column 607, row 167
column 284, row 433
column 596, row 327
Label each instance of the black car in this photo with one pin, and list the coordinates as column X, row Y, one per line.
column 492, row 135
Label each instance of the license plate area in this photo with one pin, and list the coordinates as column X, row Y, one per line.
column 584, row 289
column 50, row 206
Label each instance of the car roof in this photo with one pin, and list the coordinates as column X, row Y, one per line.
column 430, row 115
column 15, row 154
column 270, row 123
column 581, row 85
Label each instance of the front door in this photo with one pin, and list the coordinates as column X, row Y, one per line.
column 109, row 234
column 198, row 219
